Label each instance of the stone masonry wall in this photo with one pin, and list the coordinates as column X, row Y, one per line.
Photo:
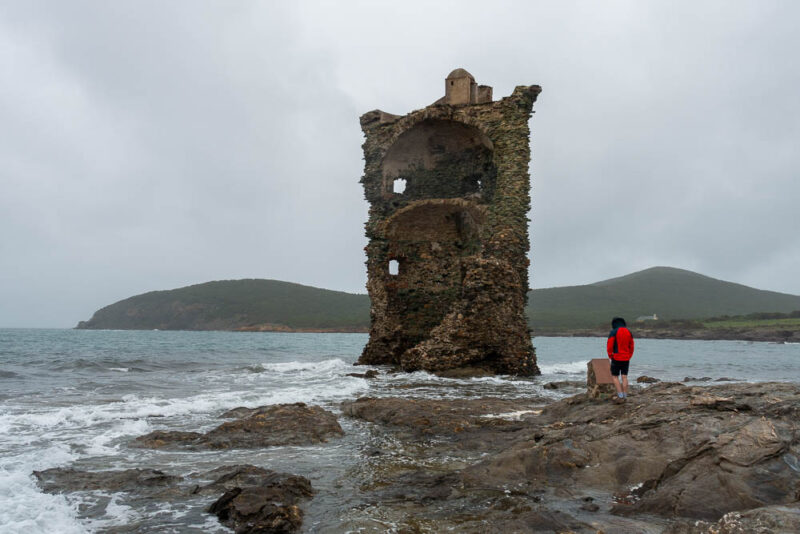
column 458, row 232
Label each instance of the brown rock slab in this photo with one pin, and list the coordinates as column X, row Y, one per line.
column 164, row 439
column 253, row 499
column 372, row 373
column 468, row 423
column 266, row 426
column 766, row 520
column 261, row 501
column 674, row 451
column 644, row 379
column 59, row 480
column 565, row 384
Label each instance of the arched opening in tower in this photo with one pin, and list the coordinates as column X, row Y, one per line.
column 440, row 159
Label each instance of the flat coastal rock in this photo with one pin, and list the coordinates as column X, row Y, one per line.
column 766, row 520
column 671, row 450
column 673, row 458
column 60, row 480
column 266, row 426
column 253, row 499
column 439, row 417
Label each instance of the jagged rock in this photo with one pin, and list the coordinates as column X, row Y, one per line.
column 372, row 373
column 266, row 426
column 766, row 520
column 255, row 500
column 565, row 384
column 644, row 379
column 162, row 439
column 260, row 501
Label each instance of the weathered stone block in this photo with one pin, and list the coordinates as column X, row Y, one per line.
column 598, row 379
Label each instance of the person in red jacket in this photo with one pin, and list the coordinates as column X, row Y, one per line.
column 620, row 350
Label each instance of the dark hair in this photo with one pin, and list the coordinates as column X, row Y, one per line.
column 617, row 322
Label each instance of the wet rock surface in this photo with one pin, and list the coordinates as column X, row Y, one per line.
column 672, row 456
column 372, row 373
column 266, row 426
column 59, row 480
column 565, row 385
column 253, row 499
column 644, row 379
column 469, row 421
column 766, row 520
column 259, row 500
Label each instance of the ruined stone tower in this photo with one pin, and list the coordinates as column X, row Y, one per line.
column 447, row 264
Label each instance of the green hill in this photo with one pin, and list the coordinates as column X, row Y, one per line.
column 236, row 305
column 273, row 305
column 668, row 292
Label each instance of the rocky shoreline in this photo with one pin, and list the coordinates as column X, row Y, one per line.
column 772, row 335
column 673, row 458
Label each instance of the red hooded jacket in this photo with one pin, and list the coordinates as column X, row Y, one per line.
column 620, row 344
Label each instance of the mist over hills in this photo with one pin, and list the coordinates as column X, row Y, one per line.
column 272, row 305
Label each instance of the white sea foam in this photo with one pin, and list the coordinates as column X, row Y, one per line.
column 317, row 367
column 513, row 416
column 119, row 369
column 25, row 509
column 100, row 445
column 96, row 426
column 116, row 514
column 567, row 368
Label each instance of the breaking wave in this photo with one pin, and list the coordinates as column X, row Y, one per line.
column 568, row 368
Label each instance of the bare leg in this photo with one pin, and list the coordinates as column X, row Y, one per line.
column 624, row 385
column 615, row 379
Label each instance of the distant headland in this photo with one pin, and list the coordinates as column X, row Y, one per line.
column 687, row 305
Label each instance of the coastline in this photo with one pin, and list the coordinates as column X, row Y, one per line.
column 771, row 335
column 705, row 334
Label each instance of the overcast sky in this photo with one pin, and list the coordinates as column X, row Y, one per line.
column 153, row 145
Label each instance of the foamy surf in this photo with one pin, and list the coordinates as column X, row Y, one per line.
column 568, row 368
column 24, row 509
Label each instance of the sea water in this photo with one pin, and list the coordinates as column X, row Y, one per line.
column 76, row 398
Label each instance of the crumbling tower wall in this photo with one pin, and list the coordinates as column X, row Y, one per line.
column 447, row 266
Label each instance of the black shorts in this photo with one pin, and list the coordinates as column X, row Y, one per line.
column 619, row 367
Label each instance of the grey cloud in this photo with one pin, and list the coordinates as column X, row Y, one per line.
column 150, row 145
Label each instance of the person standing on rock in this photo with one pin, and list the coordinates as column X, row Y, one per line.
column 620, row 351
